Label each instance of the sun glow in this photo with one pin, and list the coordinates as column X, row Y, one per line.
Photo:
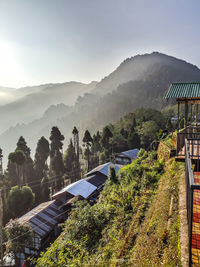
column 9, row 69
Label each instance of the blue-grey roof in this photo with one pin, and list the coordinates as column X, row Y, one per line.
column 43, row 218
column 132, row 153
column 104, row 168
column 81, row 187
column 183, row 90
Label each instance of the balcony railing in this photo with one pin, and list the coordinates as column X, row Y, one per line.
column 193, row 207
column 189, row 133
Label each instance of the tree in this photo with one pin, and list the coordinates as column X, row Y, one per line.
column 76, row 150
column 95, row 149
column 70, row 163
column 56, row 161
column 56, row 141
column 17, row 158
column 41, row 156
column 45, row 191
column 22, row 145
column 133, row 140
column 20, row 236
column 40, row 165
column 87, row 142
column 19, row 200
column 76, row 142
column 21, row 162
column 147, row 132
column 112, row 175
column 105, row 138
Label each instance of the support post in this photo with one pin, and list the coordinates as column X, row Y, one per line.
column 186, row 113
column 178, row 116
column 197, row 114
column 1, row 232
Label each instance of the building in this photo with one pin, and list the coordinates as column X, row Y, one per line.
column 126, row 157
column 99, row 175
column 80, row 188
column 43, row 220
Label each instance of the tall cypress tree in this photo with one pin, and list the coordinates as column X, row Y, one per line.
column 87, row 142
column 28, row 171
column 40, row 165
column 70, row 163
column 77, row 166
column 56, row 161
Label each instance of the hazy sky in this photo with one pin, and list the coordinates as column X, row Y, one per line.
column 62, row 40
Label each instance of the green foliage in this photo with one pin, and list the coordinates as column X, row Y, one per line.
column 45, row 191
column 17, row 157
column 87, row 142
column 56, row 161
column 20, row 236
column 99, row 233
column 40, row 165
column 112, row 175
column 19, row 200
column 71, row 164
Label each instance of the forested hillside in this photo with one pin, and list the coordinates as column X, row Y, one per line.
column 140, row 81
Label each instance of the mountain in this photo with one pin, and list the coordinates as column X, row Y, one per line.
column 6, row 95
column 138, row 81
column 31, row 102
column 140, row 66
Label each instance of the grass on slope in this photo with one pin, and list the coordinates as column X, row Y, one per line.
column 128, row 226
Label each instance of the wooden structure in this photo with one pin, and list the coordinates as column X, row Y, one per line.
column 188, row 150
column 187, row 94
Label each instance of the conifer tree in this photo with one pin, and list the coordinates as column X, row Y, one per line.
column 40, row 165
column 56, row 161
column 17, row 158
column 70, row 163
column 77, row 166
column 87, row 142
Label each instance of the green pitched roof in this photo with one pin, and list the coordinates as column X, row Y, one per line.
column 183, row 90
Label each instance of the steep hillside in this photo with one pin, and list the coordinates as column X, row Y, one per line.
column 131, row 217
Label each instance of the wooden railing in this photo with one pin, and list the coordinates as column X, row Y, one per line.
column 190, row 132
column 192, row 196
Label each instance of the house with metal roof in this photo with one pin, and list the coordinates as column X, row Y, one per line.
column 126, row 157
column 104, row 169
column 99, row 175
column 43, row 220
column 81, row 187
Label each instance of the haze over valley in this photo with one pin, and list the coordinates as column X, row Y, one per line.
column 138, row 81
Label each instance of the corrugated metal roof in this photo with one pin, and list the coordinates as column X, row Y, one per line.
column 104, row 169
column 182, row 90
column 81, row 187
column 132, row 153
column 98, row 179
column 43, row 218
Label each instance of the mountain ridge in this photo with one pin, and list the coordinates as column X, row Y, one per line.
column 97, row 108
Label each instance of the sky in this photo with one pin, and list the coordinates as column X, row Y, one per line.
column 48, row 41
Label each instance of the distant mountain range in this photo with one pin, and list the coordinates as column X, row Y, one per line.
column 31, row 102
column 138, row 81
